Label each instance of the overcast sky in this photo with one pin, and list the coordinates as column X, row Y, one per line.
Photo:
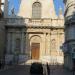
column 15, row 3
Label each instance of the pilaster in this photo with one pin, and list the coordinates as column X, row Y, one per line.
column 8, row 42
column 13, row 42
column 22, row 42
column 27, row 48
column 48, row 44
column 44, row 43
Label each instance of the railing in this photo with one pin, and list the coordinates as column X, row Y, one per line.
column 15, row 21
column 35, row 22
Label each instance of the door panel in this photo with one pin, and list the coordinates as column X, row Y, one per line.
column 35, row 49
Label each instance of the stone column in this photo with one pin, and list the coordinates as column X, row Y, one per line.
column 58, row 43
column 13, row 42
column 8, row 42
column 44, row 43
column 27, row 41
column 22, row 42
column 61, row 41
column 48, row 44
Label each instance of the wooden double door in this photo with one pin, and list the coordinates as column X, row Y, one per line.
column 35, row 50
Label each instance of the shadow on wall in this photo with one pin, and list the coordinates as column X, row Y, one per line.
column 17, row 40
column 18, row 46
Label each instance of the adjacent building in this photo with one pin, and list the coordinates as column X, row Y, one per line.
column 69, row 45
column 35, row 33
column 2, row 34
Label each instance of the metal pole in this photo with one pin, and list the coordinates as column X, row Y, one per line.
column 73, row 72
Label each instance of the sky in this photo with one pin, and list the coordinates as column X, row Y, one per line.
column 15, row 3
column 59, row 4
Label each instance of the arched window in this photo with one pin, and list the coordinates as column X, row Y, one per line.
column 36, row 10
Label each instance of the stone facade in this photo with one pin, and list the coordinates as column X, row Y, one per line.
column 2, row 35
column 69, row 45
column 2, row 40
column 30, row 37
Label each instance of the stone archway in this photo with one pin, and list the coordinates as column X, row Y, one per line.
column 35, row 47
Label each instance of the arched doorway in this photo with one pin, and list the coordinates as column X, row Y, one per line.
column 35, row 47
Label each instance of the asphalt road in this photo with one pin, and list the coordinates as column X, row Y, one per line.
column 25, row 70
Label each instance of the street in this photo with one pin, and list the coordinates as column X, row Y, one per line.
column 24, row 70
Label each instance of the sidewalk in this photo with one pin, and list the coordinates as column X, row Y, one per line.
column 6, row 67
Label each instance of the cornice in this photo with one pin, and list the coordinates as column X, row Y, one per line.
column 35, row 27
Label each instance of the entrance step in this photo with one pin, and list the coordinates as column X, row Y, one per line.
column 29, row 62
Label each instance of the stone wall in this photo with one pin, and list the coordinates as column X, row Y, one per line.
column 2, row 39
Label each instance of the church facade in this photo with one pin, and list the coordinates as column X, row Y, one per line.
column 36, row 33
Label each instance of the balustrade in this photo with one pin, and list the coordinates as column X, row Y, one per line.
column 35, row 22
